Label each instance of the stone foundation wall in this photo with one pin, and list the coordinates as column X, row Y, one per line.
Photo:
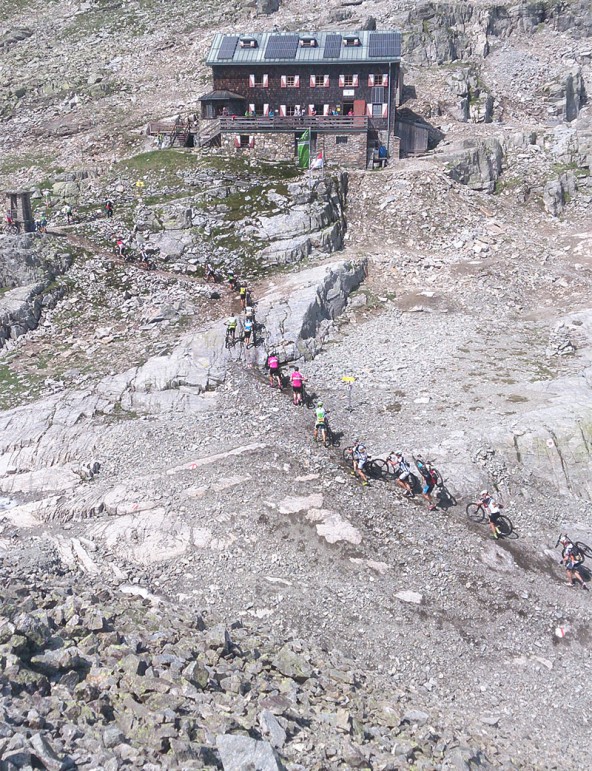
column 271, row 147
column 344, row 150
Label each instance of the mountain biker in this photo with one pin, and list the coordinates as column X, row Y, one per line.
column 275, row 375
column 297, row 381
column 231, row 325
column 430, row 480
column 68, row 213
column 320, row 422
column 109, row 208
column 242, row 293
column 250, row 313
column 493, row 511
column 248, row 329
column 120, row 245
column 573, row 559
column 403, row 471
column 231, row 280
column 360, row 458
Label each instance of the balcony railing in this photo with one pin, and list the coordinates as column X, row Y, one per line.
column 319, row 123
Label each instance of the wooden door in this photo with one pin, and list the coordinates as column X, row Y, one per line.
column 359, row 107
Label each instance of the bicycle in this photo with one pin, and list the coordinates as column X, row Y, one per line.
column 231, row 339
column 254, row 340
column 388, row 470
column 371, row 467
column 585, row 550
column 324, row 434
column 477, row 513
column 419, row 462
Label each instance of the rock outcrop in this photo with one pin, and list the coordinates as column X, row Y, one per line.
column 476, row 164
column 28, row 269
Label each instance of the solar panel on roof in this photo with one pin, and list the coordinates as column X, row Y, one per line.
column 281, row 47
column 384, row 44
column 227, row 47
column 332, row 47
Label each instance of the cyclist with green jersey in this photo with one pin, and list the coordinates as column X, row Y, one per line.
column 231, row 325
column 320, row 429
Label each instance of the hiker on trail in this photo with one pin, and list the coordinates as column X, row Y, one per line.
column 109, row 208
column 68, row 213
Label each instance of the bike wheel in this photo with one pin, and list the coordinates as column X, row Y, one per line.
column 329, row 438
column 348, row 454
column 504, row 526
column 475, row 512
column 414, row 483
column 373, row 469
column 439, row 479
column 379, row 468
column 586, row 550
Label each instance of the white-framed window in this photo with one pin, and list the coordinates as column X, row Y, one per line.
column 377, row 110
column 319, row 81
column 350, row 81
column 259, row 80
column 292, row 81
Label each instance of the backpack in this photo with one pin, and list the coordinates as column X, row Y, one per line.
column 576, row 554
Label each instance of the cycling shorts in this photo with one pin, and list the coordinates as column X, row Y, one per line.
column 427, row 488
column 361, row 462
column 404, row 475
column 573, row 565
column 297, row 388
column 494, row 516
column 321, row 425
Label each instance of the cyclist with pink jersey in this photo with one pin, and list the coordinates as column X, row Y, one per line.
column 297, row 381
column 275, row 375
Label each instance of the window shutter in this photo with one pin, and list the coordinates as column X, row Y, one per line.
column 237, row 141
column 385, row 109
column 385, row 80
column 266, row 81
column 296, row 81
column 266, row 110
column 325, row 109
column 251, row 81
column 341, row 81
column 371, row 81
column 283, row 81
column 251, row 142
column 313, row 81
column 369, row 110
column 282, row 110
column 326, row 81
column 356, row 81
column 252, row 109
column 310, row 109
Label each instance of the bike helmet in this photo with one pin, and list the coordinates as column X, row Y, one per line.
column 483, row 493
column 361, row 447
column 319, row 404
column 399, row 454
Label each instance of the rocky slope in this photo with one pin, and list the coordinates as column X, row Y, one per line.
column 220, row 591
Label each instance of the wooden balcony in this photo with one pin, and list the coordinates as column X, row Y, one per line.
column 320, row 124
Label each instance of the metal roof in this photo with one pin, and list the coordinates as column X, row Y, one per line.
column 280, row 48
column 221, row 96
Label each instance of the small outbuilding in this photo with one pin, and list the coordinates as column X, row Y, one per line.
column 18, row 208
